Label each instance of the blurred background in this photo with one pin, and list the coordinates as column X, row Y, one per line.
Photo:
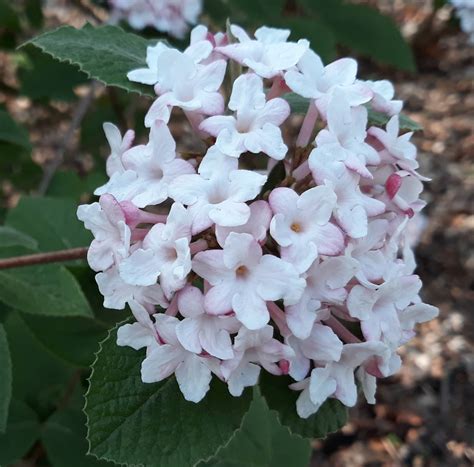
column 425, row 415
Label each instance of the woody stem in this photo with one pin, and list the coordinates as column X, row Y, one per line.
column 44, row 258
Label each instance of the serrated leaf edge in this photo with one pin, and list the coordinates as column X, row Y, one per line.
column 79, row 65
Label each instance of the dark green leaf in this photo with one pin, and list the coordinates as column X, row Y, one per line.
column 276, row 175
column 64, row 439
column 330, row 417
column 317, row 32
column 105, row 53
column 22, row 431
column 365, row 30
column 5, row 378
column 12, row 237
column 381, row 119
column 76, row 340
column 51, row 222
column 299, row 105
column 152, row 424
column 39, row 378
column 262, row 441
column 43, row 77
column 47, row 289
column 68, row 184
column 11, row 132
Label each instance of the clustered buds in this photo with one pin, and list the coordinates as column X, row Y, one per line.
column 229, row 268
column 169, row 16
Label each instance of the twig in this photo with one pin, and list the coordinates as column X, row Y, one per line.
column 44, row 258
column 80, row 112
column 87, row 10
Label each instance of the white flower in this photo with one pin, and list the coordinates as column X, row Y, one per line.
column 321, row 345
column 325, row 285
column 252, row 350
column 353, row 207
column 193, row 372
column 243, row 280
column 164, row 253
column 344, row 138
column 301, row 225
column 402, row 190
column 255, row 127
column 368, row 252
column 383, row 100
column 149, row 170
column 336, row 379
column 311, row 79
column 378, row 308
column 398, row 149
column 220, row 199
column 268, row 54
column 140, row 334
column 257, row 224
column 106, row 221
column 185, row 84
column 118, row 146
column 117, row 293
column 200, row 331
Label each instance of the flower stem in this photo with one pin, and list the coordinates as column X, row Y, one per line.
column 278, row 315
column 308, row 126
column 341, row 331
column 44, row 258
column 198, row 245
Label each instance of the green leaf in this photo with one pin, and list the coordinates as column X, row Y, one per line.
column 317, row 32
column 43, row 77
column 381, row 119
column 5, row 378
column 22, row 431
column 12, row 237
column 11, row 132
column 39, row 378
column 262, row 441
column 152, row 424
column 330, row 417
column 68, row 184
column 76, row 340
column 365, row 30
column 276, row 175
column 47, row 289
column 64, row 439
column 105, row 53
column 299, row 105
column 52, row 222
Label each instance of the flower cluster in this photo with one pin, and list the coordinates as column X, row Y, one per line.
column 465, row 12
column 309, row 274
column 169, row 16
